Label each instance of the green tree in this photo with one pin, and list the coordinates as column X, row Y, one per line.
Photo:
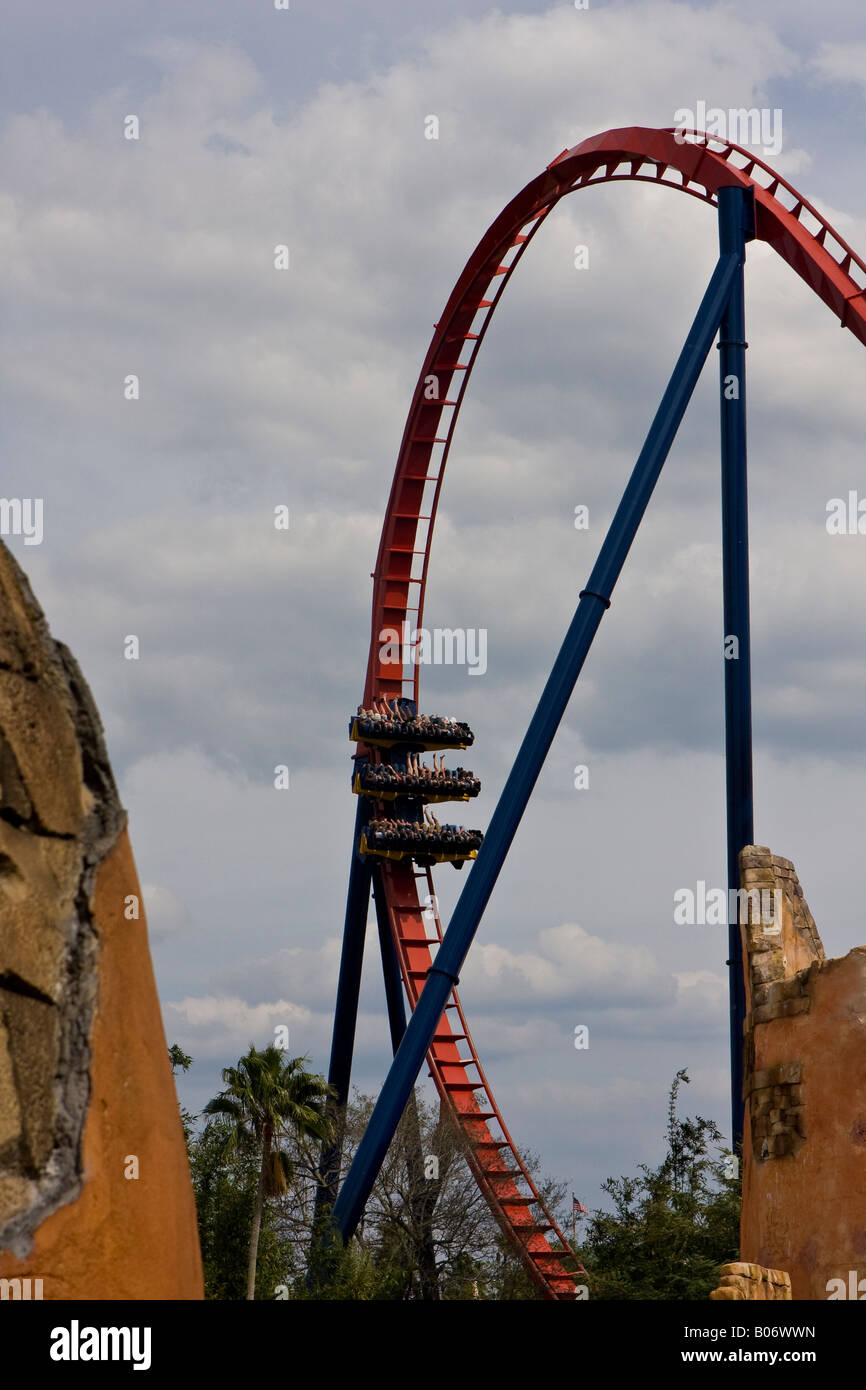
column 225, row 1180
column 266, row 1099
column 178, row 1058
column 672, row 1226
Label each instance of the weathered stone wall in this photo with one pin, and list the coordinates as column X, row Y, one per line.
column 85, row 1082
column 744, row 1281
column 804, row 1149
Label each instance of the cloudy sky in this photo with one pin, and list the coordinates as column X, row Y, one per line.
column 258, row 388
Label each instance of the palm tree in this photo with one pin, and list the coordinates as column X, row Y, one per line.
column 268, row 1097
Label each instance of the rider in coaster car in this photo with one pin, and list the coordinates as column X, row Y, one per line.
column 385, row 716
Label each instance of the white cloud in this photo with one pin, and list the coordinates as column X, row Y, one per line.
column 842, row 62
column 165, row 915
column 568, row 964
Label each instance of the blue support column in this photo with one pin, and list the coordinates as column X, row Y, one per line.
column 346, row 1010
column 594, row 600
column 394, row 999
column 736, row 227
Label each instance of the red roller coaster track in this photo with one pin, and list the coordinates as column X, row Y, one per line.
column 696, row 164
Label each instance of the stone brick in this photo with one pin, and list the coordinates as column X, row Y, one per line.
column 787, row 1074
column 784, row 1008
column 765, row 968
column 32, row 1030
column 10, row 1109
column 14, row 1192
column 755, row 855
column 759, row 878
column 742, row 1281
column 38, row 884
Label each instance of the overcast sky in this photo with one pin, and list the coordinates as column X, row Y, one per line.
column 155, row 257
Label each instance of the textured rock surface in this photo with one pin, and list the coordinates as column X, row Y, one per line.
column 804, row 1146
column 752, row 1282
column 84, row 1073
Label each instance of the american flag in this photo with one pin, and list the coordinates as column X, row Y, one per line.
column 577, row 1208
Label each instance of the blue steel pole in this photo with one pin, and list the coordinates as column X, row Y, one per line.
column 346, row 1009
column 594, row 600
column 736, row 226
column 394, row 1000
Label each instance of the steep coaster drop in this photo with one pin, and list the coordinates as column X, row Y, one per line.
column 399, row 867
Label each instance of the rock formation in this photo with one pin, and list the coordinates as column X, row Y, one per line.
column 95, row 1192
column 752, row 1282
column 804, row 1147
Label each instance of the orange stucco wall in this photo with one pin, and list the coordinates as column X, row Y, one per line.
column 123, row 1238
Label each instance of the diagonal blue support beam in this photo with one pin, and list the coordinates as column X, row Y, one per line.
column 736, row 227
column 346, row 1011
column 594, row 600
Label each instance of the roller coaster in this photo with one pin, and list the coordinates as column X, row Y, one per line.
column 421, row 963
